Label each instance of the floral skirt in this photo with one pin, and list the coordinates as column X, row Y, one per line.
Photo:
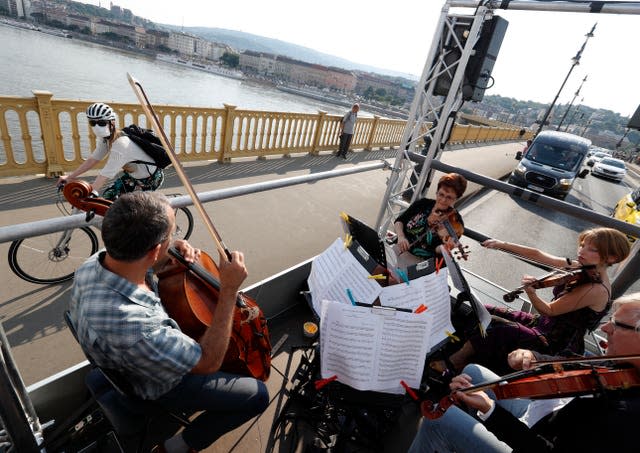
column 126, row 183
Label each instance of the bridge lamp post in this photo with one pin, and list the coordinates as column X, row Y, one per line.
column 575, row 95
column 576, row 62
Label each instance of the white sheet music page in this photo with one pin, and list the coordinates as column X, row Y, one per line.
column 373, row 348
column 334, row 271
column 430, row 290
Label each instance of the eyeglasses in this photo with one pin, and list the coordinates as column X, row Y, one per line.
column 445, row 196
column 622, row 325
column 101, row 123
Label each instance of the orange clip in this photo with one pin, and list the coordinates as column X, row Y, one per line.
column 410, row 391
column 439, row 262
column 421, row 308
column 322, row 382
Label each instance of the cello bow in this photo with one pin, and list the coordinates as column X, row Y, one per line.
column 157, row 127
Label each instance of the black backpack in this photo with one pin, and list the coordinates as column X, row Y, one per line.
column 150, row 144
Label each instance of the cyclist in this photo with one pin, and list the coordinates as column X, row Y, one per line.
column 139, row 171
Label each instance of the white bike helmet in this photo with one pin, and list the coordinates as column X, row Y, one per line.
column 100, row 111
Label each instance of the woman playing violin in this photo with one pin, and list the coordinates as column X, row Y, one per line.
column 419, row 228
column 606, row 421
column 560, row 323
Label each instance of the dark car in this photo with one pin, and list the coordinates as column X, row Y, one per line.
column 551, row 164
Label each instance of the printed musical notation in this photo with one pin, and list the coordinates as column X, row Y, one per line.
column 373, row 348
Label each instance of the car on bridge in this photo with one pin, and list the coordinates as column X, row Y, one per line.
column 610, row 168
column 596, row 157
column 551, row 163
column 628, row 210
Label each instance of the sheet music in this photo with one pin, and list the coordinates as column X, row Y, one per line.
column 372, row 348
column 431, row 290
column 335, row 270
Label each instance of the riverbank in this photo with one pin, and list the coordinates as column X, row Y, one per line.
column 344, row 102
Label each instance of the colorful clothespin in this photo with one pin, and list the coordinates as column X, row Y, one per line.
column 439, row 263
column 347, row 240
column 410, row 391
column 452, row 336
column 421, row 308
column 350, row 295
column 377, row 276
column 403, row 275
column 322, row 382
column 345, row 217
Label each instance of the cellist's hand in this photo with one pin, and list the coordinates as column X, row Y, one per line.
column 190, row 253
column 476, row 400
column 232, row 273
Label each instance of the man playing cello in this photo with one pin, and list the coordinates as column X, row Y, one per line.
column 605, row 421
column 122, row 325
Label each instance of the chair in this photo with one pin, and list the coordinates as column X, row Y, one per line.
column 130, row 416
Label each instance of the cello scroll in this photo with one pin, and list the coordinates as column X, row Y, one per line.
column 81, row 196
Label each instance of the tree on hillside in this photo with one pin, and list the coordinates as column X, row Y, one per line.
column 230, row 59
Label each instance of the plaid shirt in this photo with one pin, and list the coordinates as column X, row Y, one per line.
column 123, row 327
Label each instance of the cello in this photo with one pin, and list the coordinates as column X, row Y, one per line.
column 249, row 350
column 193, row 290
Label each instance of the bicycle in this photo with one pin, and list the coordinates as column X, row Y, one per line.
column 54, row 257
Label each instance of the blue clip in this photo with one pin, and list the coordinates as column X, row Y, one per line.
column 403, row 275
column 350, row 294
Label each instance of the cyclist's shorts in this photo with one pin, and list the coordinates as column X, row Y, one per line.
column 125, row 183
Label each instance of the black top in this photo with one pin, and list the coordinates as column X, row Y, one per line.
column 416, row 228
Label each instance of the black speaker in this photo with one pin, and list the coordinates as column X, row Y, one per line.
column 634, row 122
column 478, row 71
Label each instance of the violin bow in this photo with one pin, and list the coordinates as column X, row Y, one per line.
column 157, row 126
column 537, row 263
column 594, row 359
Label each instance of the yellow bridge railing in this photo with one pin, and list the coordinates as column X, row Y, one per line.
column 42, row 135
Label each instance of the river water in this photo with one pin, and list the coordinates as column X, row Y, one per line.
column 74, row 69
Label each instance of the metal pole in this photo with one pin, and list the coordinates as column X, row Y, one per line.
column 576, row 62
column 586, row 126
column 573, row 115
column 576, row 94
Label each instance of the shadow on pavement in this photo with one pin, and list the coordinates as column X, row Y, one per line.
column 30, row 192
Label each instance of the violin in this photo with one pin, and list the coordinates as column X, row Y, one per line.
column 539, row 384
column 570, row 278
column 447, row 226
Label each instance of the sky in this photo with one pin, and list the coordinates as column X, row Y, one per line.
column 534, row 59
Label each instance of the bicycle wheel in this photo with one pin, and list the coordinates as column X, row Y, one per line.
column 52, row 258
column 184, row 223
